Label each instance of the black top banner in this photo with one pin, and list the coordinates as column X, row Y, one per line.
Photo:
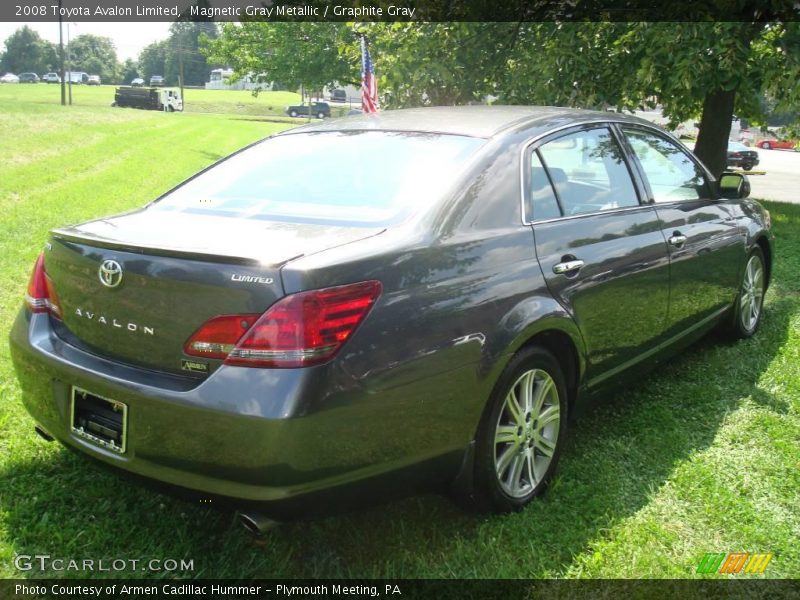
column 399, row 10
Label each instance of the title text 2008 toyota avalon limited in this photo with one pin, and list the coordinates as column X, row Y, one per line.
column 415, row 300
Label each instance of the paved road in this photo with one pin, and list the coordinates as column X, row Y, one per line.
column 782, row 179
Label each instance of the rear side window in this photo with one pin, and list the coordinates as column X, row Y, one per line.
column 589, row 172
column 672, row 175
column 543, row 203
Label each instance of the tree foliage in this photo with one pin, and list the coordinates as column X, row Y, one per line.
column 707, row 70
column 184, row 44
column 96, row 55
column 152, row 59
column 129, row 70
column 292, row 54
column 26, row 51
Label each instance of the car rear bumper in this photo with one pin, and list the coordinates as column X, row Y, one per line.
column 735, row 161
column 245, row 435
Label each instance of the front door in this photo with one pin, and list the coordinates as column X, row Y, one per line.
column 601, row 251
column 706, row 245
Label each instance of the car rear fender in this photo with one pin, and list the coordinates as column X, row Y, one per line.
column 538, row 320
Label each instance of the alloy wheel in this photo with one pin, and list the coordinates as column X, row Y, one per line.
column 752, row 295
column 526, row 433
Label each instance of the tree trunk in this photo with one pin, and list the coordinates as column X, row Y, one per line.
column 715, row 127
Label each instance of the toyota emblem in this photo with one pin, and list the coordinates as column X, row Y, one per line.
column 110, row 273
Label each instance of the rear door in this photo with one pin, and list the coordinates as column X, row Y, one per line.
column 706, row 245
column 601, row 250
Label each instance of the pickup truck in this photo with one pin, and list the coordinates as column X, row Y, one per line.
column 314, row 109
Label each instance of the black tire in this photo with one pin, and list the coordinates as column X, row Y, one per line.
column 747, row 167
column 293, row 113
column 490, row 493
column 742, row 324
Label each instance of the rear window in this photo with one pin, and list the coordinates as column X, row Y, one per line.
column 352, row 177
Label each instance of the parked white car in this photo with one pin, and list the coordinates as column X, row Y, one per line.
column 51, row 78
column 9, row 78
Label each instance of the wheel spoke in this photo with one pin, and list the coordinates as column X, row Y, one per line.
column 551, row 414
column 514, row 409
column 505, row 460
column 515, row 473
column 531, row 469
column 506, row 434
column 542, row 392
column 758, row 278
column 526, row 387
column 745, row 303
column 545, row 447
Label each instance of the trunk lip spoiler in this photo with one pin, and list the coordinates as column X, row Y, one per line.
column 164, row 250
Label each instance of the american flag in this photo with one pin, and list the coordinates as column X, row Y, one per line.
column 369, row 88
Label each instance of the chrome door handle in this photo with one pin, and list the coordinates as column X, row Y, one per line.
column 677, row 240
column 567, row 267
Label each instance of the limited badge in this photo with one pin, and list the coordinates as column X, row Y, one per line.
column 195, row 366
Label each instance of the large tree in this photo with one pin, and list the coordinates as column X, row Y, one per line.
column 708, row 70
column 26, row 51
column 184, row 46
column 436, row 63
column 293, row 54
column 96, row 55
column 152, row 60
column 129, row 70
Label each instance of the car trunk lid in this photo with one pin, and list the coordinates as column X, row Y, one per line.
column 135, row 287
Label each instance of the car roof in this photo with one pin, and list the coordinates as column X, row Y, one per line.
column 475, row 121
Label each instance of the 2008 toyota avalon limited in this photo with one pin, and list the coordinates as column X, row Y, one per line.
column 415, row 300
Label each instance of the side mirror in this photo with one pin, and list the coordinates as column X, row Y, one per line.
column 734, row 186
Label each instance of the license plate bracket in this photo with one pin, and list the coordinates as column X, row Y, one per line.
column 100, row 420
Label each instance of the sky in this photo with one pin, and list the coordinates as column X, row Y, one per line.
column 129, row 38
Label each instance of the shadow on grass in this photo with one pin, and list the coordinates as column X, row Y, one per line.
column 212, row 156
column 618, row 456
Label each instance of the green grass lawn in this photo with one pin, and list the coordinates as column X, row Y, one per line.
column 702, row 456
column 240, row 102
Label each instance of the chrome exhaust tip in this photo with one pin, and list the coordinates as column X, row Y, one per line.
column 257, row 524
column 43, row 433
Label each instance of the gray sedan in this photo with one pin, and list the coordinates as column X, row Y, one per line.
column 385, row 303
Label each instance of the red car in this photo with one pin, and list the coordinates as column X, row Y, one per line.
column 772, row 143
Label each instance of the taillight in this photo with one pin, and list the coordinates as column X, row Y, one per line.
column 41, row 296
column 299, row 330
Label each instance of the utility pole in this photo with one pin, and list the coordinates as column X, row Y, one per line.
column 180, row 76
column 69, row 67
column 61, row 55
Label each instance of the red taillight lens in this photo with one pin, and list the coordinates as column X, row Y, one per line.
column 41, row 296
column 299, row 330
